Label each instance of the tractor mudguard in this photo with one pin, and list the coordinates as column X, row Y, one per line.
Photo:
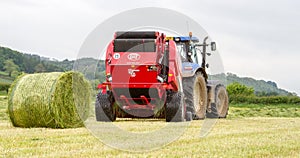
column 189, row 69
column 211, row 86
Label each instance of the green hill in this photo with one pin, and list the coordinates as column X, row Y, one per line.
column 95, row 70
column 261, row 87
column 32, row 63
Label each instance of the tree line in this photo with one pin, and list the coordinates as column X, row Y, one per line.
column 239, row 93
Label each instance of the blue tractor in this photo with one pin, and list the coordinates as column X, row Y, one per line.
column 203, row 97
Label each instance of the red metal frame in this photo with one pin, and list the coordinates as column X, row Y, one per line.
column 120, row 64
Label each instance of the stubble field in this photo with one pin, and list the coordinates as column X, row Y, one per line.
column 231, row 137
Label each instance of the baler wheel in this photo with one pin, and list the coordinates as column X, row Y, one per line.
column 175, row 108
column 103, row 109
column 195, row 92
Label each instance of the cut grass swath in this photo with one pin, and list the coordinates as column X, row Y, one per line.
column 55, row 100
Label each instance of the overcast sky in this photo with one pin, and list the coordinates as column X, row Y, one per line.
column 255, row 38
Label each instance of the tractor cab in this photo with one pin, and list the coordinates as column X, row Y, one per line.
column 193, row 54
column 184, row 48
column 190, row 55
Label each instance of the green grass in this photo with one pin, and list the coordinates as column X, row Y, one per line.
column 259, row 110
column 3, row 73
column 4, row 78
column 3, row 108
column 233, row 137
column 3, row 93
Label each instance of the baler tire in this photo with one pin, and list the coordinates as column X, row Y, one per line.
column 103, row 109
column 175, row 108
column 195, row 92
column 220, row 108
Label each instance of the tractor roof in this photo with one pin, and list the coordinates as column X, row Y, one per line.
column 182, row 39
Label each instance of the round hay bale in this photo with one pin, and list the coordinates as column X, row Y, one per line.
column 55, row 100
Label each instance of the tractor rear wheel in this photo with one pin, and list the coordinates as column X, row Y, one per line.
column 219, row 109
column 175, row 110
column 195, row 91
column 103, row 109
